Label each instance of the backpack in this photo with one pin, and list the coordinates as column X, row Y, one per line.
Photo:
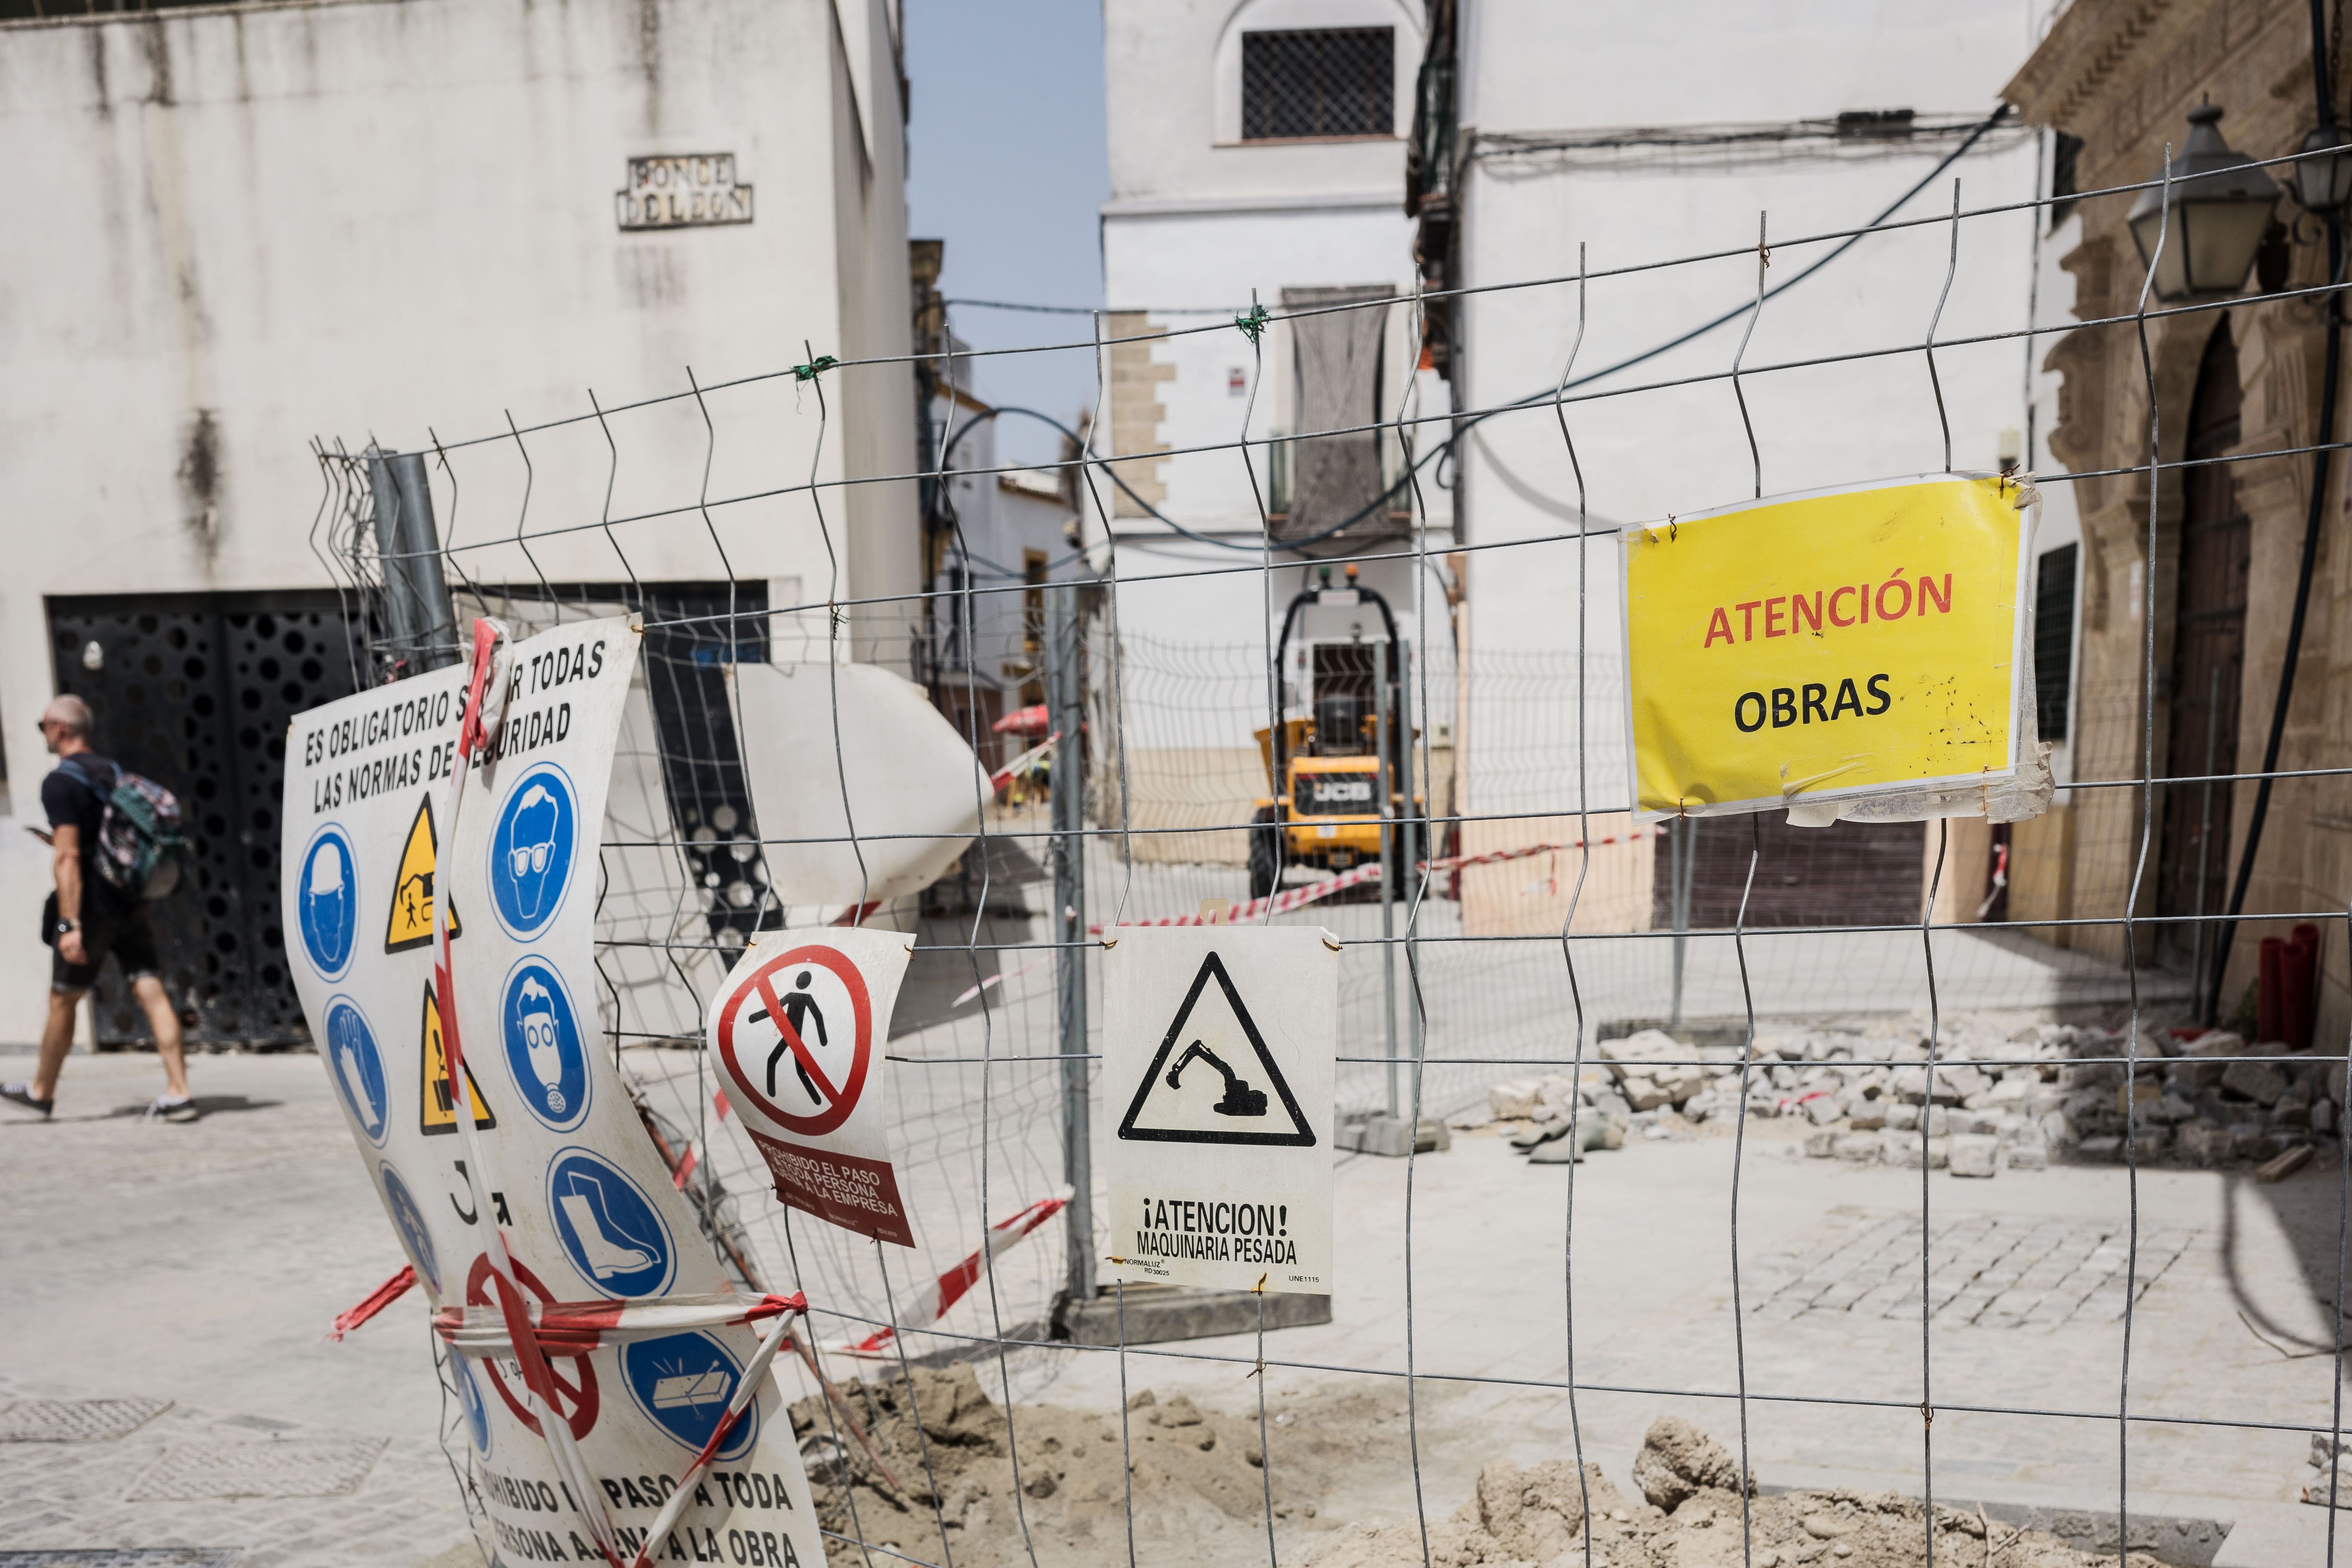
column 141, row 849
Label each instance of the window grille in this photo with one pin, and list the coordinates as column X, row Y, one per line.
column 1318, row 81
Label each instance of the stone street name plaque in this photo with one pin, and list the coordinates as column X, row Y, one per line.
column 685, row 190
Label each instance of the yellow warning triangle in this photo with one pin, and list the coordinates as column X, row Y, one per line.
column 436, row 1112
column 410, row 924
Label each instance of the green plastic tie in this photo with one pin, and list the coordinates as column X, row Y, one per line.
column 1252, row 323
column 815, row 368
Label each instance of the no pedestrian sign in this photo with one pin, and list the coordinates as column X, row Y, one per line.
column 1218, row 1051
column 798, row 1038
column 1832, row 646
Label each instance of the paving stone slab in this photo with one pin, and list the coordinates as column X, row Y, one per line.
column 291, row 1467
column 1995, row 1270
column 76, row 1420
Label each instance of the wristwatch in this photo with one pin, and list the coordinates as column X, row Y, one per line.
column 65, row 926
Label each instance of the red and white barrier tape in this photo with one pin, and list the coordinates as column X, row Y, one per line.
column 576, row 1328
column 931, row 1302
column 1282, row 903
column 1021, row 763
column 375, row 1302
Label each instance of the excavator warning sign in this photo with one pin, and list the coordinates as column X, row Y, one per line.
column 1192, row 1094
column 410, row 924
column 1219, row 1044
column 437, row 1109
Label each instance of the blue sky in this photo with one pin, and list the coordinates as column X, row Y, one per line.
column 1007, row 165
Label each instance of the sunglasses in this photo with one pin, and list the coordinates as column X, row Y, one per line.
column 532, row 859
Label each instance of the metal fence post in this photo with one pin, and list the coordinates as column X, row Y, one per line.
column 1385, row 691
column 423, row 623
column 1681, row 858
column 1065, row 714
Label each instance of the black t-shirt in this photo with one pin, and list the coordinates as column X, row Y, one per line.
column 71, row 800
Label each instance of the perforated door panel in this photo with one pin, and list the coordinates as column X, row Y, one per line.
column 195, row 691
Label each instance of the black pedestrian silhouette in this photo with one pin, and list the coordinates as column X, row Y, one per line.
column 799, row 1009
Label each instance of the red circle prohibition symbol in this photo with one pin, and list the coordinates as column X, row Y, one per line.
column 580, row 1392
column 759, row 984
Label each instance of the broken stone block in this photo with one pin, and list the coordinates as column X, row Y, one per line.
column 1513, row 1101
column 1966, row 1123
column 1860, row 1148
column 1867, row 1115
column 2029, row 1157
column 1677, row 1460
column 2323, row 1116
column 2261, row 1082
column 1975, row 1155
column 1820, row 1146
column 2203, row 1144
column 2106, row 1149
column 1823, row 1110
column 1648, row 1046
column 2285, row 1163
column 1907, row 1149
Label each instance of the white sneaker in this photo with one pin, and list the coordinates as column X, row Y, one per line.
column 168, row 1108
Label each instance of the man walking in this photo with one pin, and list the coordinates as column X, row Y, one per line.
column 89, row 919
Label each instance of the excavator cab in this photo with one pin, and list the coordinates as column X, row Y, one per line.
column 1328, row 768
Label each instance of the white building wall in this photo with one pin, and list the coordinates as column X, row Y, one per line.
column 1531, row 68
column 1199, row 225
column 262, row 224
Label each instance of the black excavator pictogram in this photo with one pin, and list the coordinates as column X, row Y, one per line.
column 1240, row 1099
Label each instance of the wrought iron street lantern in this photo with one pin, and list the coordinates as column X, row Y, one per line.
column 2323, row 175
column 2220, row 208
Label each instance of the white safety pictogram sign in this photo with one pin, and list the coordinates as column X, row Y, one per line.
column 1218, row 1051
column 797, row 1037
column 1213, row 1032
column 527, row 1186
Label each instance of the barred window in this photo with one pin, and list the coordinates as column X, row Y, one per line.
column 1318, row 81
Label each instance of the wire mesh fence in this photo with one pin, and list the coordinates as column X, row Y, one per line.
column 1509, row 922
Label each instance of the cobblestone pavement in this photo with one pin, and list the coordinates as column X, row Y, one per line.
column 172, row 1483
column 1994, row 1270
column 186, row 1275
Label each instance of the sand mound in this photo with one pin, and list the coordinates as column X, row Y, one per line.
column 1198, row 1481
column 1535, row 1516
column 1200, row 1492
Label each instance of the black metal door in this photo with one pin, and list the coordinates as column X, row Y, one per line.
column 195, row 691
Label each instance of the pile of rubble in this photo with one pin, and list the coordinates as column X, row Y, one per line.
column 1999, row 1100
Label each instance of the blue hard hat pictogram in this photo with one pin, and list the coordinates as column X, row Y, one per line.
column 409, row 1220
column 356, row 1066
column 531, row 850
column 546, row 1054
column 683, row 1382
column 611, row 1231
column 327, row 903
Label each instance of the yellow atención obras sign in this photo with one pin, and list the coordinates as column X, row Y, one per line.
column 1845, row 643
